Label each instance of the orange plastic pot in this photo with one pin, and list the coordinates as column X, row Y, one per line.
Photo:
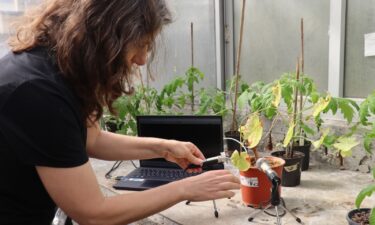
column 256, row 187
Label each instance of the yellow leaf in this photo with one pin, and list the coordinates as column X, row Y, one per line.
column 346, row 154
column 345, row 145
column 240, row 161
column 321, row 105
column 276, row 91
column 252, row 131
column 289, row 134
column 319, row 142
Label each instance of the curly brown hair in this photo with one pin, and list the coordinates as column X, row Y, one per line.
column 90, row 39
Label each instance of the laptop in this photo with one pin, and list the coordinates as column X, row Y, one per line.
column 206, row 132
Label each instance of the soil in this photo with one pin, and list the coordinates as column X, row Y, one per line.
column 272, row 163
column 361, row 218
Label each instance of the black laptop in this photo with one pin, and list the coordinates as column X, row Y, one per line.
column 206, row 132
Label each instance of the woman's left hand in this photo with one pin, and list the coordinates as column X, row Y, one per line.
column 183, row 154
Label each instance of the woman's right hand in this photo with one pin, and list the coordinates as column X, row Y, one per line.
column 210, row 185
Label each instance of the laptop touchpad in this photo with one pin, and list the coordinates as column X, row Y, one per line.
column 154, row 183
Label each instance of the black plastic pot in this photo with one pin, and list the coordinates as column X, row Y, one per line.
column 351, row 213
column 232, row 145
column 113, row 126
column 305, row 149
column 292, row 169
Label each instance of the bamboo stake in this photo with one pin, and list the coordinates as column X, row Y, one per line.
column 302, row 140
column 192, row 43
column 192, row 63
column 302, row 49
column 234, row 120
column 295, row 109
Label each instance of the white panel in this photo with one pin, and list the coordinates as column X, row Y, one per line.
column 336, row 47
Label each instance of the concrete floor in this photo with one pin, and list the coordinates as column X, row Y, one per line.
column 324, row 197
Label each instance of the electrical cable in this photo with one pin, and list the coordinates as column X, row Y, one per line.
column 114, row 167
column 237, row 141
column 274, row 215
column 117, row 164
column 135, row 166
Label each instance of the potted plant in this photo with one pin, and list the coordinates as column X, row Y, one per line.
column 303, row 106
column 365, row 215
column 262, row 100
column 359, row 215
column 255, row 185
column 234, row 88
column 128, row 107
column 297, row 91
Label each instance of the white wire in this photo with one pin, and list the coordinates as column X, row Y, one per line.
column 235, row 140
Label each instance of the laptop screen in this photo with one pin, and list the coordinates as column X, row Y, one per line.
column 206, row 132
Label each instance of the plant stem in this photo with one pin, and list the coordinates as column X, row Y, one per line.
column 269, row 143
column 255, row 151
column 305, row 138
column 341, row 159
column 234, row 120
column 271, row 127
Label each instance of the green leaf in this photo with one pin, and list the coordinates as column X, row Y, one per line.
column 331, row 106
column 203, row 107
column 364, row 112
column 329, row 140
column 372, row 217
column 353, row 103
column 345, row 145
column 240, row 161
column 252, row 131
column 314, row 97
column 243, row 99
column 287, row 94
column 181, row 100
column 244, row 87
column 289, row 134
column 367, row 191
column 368, row 138
column 270, row 112
column 371, row 101
column 318, row 121
column 346, row 110
column 256, row 103
column 307, row 129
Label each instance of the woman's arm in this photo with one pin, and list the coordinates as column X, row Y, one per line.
column 110, row 146
column 77, row 192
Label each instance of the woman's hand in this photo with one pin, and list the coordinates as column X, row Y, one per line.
column 182, row 153
column 210, row 185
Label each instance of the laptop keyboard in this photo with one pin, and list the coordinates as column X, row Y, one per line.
column 160, row 173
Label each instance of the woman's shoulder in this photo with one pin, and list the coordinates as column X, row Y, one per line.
column 35, row 63
column 34, row 68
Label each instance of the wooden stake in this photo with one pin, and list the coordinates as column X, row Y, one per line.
column 192, row 63
column 300, row 130
column 237, row 72
column 302, row 49
column 192, row 43
column 295, row 108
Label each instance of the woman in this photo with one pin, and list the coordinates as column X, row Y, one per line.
column 68, row 61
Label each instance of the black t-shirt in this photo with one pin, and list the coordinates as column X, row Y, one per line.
column 40, row 125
